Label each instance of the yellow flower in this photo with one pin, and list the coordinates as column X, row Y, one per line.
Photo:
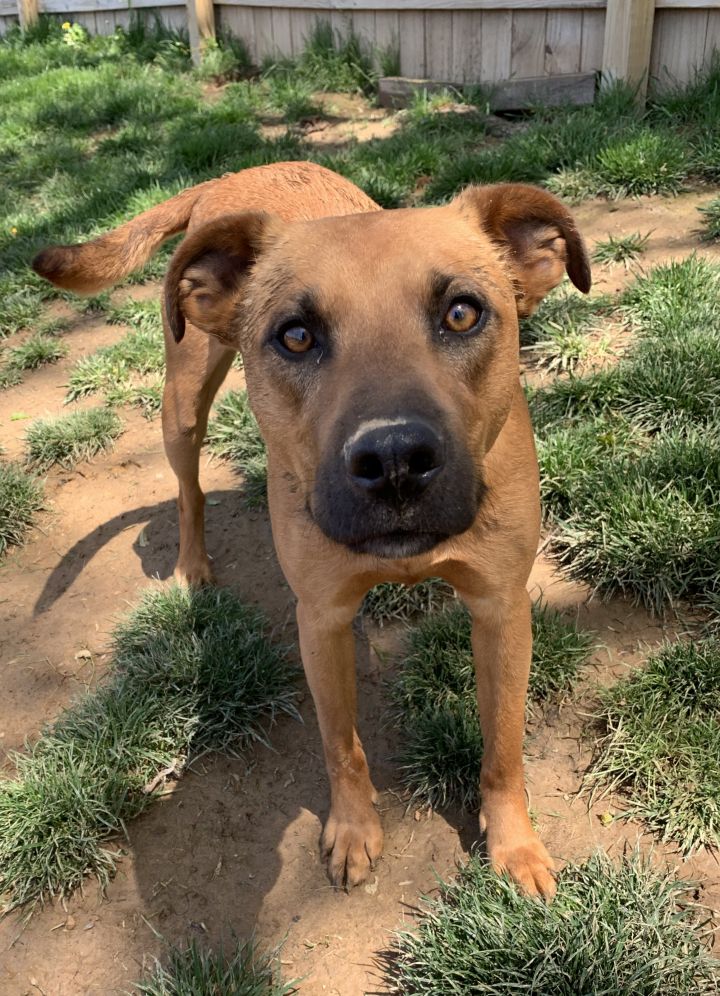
column 66, row 25
column 13, row 230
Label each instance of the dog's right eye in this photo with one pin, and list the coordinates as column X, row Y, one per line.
column 297, row 339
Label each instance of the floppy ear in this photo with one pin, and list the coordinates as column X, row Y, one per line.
column 538, row 234
column 207, row 273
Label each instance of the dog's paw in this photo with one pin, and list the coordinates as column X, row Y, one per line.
column 528, row 863
column 352, row 848
column 194, row 575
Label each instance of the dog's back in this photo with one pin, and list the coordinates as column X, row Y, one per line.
column 296, row 191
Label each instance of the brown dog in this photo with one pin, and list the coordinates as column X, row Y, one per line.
column 381, row 357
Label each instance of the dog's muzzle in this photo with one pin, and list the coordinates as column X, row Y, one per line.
column 396, row 488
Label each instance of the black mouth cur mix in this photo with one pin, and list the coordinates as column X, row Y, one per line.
column 381, row 356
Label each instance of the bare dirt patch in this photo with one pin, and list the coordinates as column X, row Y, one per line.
column 233, row 846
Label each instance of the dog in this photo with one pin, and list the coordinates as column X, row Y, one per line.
column 381, row 356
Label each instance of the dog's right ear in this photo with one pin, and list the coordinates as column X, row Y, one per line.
column 205, row 280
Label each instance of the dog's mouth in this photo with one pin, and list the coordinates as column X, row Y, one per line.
column 397, row 545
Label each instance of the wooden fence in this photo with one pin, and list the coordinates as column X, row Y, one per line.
column 473, row 41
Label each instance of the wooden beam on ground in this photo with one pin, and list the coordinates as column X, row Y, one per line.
column 28, row 12
column 628, row 42
column 506, row 95
column 201, row 26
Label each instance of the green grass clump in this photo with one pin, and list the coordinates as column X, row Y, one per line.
column 629, row 455
column 37, row 350
column 435, row 697
column 192, row 671
column 661, row 746
column 69, row 439
column 330, row 61
column 651, row 162
column 131, row 370
column 558, row 333
column 621, row 248
column 20, row 499
column 388, row 601
column 613, row 929
column 234, row 435
column 193, row 971
column 711, row 220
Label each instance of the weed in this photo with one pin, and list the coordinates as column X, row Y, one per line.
column 193, row 671
column 435, row 697
column 558, row 333
column 661, row 746
column 225, row 58
column 37, row 350
column 711, row 222
column 69, row 439
column 651, row 162
column 20, row 499
column 612, row 929
column 192, row 971
column 621, row 248
column 400, row 602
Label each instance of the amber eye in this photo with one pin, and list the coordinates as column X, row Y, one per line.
column 297, row 339
column 460, row 317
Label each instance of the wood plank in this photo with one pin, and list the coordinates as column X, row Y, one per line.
column 363, row 24
column 712, row 38
column 264, row 44
column 282, row 35
column 436, row 4
column 527, row 52
column 438, row 45
column 685, row 4
column 387, row 29
column 563, row 41
column 28, row 13
column 302, row 26
column 504, row 95
column 495, row 45
column 678, row 45
column 628, row 43
column 90, row 6
column 239, row 21
column 467, row 47
column 412, row 43
column 593, row 36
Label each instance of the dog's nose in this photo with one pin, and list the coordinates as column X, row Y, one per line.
column 394, row 459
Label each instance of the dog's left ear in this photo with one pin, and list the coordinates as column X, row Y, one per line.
column 538, row 234
column 209, row 270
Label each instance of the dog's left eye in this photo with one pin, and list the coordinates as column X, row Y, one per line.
column 462, row 316
column 297, row 339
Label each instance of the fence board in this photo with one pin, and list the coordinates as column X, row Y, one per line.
column 496, row 43
column 239, row 21
column 412, row 43
column 387, row 30
column 302, row 26
column 678, row 45
column 467, row 47
column 401, row 5
column 563, row 40
column 282, row 37
column 593, row 36
column 264, row 45
column 438, row 46
column 527, row 54
column 712, row 38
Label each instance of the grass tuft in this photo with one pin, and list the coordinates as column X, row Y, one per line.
column 661, row 747
column 234, row 435
column 711, row 220
column 192, row 971
column 558, row 333
column 621, row 248
column 400, row 602
column 20, row 499
column 434, row 696
column 69, row 439
column 612, row 928
column 193, row 671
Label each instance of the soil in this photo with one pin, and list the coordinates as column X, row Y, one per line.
column 232, row 848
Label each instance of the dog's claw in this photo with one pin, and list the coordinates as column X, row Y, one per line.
column 529, row 865
column 196, row 575
column 351, row 849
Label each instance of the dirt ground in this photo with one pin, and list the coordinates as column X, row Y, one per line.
column 232, row 848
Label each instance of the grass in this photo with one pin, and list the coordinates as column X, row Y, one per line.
column 434, row 697
column 624, row 249
column 37, row 350
column 558, row 335
column 129, row 371
column 661, row 745
column 21, row 498
column 711, row 220
column 193, row 971
column 233, row 434
column 629, row 455
column 399, row 602
column 69, row 439
column 612, row 929
column 191, row 672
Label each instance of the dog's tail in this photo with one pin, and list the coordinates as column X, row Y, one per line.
column 93, row 266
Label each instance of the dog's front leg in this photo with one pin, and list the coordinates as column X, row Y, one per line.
column 502, row 647
column 352, row 839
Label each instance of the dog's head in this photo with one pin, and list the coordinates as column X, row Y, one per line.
column 380, row 350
